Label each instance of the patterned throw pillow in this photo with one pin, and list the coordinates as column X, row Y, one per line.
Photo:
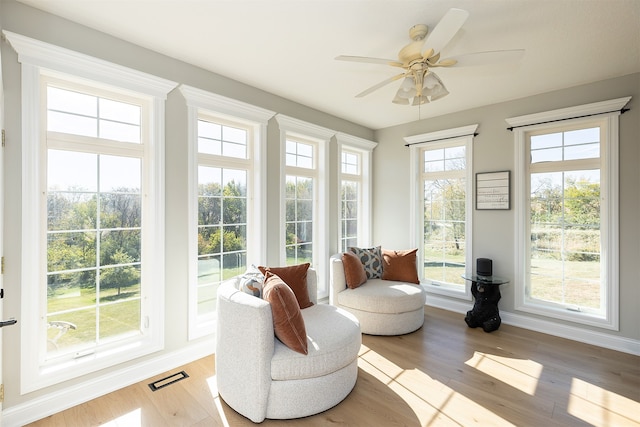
column 251, row 281
column 371, row 258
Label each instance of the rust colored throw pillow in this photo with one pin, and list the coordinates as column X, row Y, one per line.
column 353, row 270
column 400, row 266
column 296, row 277
column 288, row 323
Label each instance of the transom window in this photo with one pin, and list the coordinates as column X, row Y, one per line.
column 77, row 113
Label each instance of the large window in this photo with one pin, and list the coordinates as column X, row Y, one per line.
column 304, row 195
column 222, row 208
column 442, row 163
column 350, row 197
column 93, row 224
column 355, row 191
column 568, row 223
column 299, row 201
column 226, row 231
column 94, row 150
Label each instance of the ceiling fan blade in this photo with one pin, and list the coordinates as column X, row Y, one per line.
column 379, row 85
column 484, row 58
column 448, row 26
column 369, row 60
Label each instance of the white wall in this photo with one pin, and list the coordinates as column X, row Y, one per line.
column 493, row 231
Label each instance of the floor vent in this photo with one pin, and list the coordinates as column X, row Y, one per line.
column 171, row 379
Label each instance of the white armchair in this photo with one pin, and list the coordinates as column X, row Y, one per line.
column 383, row 307
column 260, row 377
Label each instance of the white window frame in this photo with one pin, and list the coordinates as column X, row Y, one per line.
column 201, row 103
column 291, row 128
column 460, row 136
column 608, row 113
column 37, row 59
column 364, row 150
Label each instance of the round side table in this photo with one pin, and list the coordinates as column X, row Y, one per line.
column 486, row 293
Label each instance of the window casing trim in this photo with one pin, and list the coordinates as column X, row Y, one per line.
column 40, row 59
column 610, row 197
column 461, row 135
column 306, row 132
column 207, row 104
column 365, row 149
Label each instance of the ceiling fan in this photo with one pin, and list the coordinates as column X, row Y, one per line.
column 418, row 58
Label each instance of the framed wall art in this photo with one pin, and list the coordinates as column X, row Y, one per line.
column 493, row 190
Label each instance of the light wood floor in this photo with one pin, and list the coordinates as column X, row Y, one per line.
column 444, row 374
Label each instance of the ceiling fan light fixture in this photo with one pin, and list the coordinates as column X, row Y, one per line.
column 419, row 100
column 400, row 101
column 433, row 87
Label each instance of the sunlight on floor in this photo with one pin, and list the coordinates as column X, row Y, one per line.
column 598, row 406
column 131, row 419
column 213, row 386
column 518, row 373
column 446, row 407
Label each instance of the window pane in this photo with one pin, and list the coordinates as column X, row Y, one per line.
column 119, row 282
column 121, row 318
column 445, row 230
column 72, row 102
column 119, row 131
column 234, row 142
column 350, row 163
column 565, row 238
column 71, row 251
column 111, row 187
column 118, row 111
column 299, row 154
column 120, row 174
column 73, row 124
column 71, row 211
column 68, row 170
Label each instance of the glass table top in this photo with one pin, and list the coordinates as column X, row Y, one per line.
column 486, row 280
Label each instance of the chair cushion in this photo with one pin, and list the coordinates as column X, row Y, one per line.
column 333, row 338
column 383, row 296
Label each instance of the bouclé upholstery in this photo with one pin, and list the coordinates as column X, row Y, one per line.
column 260, row 377
column 383, row 307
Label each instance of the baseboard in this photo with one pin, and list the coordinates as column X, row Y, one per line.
column 68, row 397
column 587, row 336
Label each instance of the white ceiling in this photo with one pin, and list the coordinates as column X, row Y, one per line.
column 287, row 47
